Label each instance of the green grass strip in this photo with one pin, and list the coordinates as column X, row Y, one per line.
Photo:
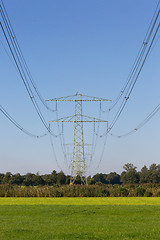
column 85, row 222
column 81, row 201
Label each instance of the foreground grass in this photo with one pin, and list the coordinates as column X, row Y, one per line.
column 79, row 218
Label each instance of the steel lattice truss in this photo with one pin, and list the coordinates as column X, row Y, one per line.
column 78, row 158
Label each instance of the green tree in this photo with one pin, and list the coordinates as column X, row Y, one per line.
column 68, row 179
column 113, row 178
column 29, row 179
column 54, row 177
column 17, row 179
column 50, row 179
column 144, row 175
column 7, row 177
column 38, row 180
column 154, row 173
column 100, row 177
column 1, row 177
column 90, row 180
column 61, row 178
column 130, row 175
column 129, row 167
column 78, row 180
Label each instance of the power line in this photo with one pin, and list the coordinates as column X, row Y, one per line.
column 146, row 120
column 53, row 151
column 103, row 149
column 95, row 136
column 27, row 86
column 61, row 135
column 17, row 46
column 154, row 45
column 137, row 60
column 25, row 82
column 25, row 76
column 21, row 70
column 136, row 74
column 8, row 54
column 7, row 115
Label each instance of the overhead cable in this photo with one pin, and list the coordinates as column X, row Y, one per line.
column 136, row 73
column 133, row 84
column 61, row 135
column 19, row 51
column 7, row 115
column 23, row 77
column 146, row 120
column 103, row 148
column 53, row 151
column 138, row 58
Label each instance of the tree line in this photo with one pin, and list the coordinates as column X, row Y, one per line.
column 130, row 175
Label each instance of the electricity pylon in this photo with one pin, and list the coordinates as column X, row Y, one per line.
column 78, row 158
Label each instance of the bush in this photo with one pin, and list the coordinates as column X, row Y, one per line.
column 123, row 192
column 98, row 183
column 102, row 190
column 148, row 194
column 158, row 194
column 105, row 193
column 139, row 192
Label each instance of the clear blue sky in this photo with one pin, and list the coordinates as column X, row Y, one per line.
column 87, row 46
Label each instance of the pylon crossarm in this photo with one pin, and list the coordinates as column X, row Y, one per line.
column 84, row 98
column 66, row 98
column 90, row 98
column 85, row 119
column 71, row 144
column 65, row 119
column 91, row 119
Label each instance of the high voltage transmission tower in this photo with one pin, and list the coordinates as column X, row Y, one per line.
column 78, row 158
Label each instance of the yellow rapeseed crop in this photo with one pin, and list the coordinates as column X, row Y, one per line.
column 82, row 201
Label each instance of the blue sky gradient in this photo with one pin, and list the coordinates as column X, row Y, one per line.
column 87, row 46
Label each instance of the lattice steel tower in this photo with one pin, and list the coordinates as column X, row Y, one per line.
column 78, row 158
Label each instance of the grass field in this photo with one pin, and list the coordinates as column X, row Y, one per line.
column 79, row 218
